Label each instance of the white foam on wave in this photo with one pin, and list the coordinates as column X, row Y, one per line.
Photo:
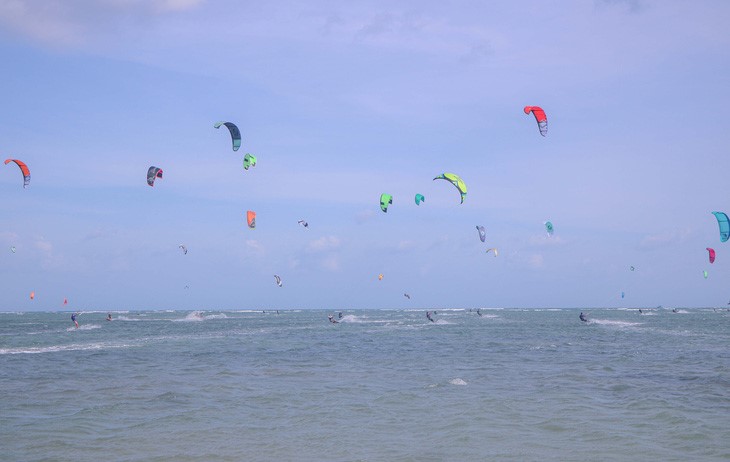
column 361, row 319
column 441, row 322
column 83, row 327
column 457, row 381
column 197, row 316
column 57, row 348
column 611, row 322
column 124, row 318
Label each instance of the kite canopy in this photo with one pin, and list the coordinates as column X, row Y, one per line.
column 153, row 173
column 235, row 133
column 251, row 219
column 385, row 200
column 496, row 252
column 419, row 199
column 549, row 228
column 23, row 168
column 540, row 117
column 303, row 223
column 704, row 273
column 184, row 249
column 722, row 221
column 380, row 277
column 278, row 280
column 456, row 181
column 482, row 233
column 248, row 161
column 712, row 254
column 32, row 295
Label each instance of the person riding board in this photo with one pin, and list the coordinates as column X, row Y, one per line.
column 73, row 318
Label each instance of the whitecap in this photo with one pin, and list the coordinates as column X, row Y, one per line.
column 457, row 381
column 84, row 327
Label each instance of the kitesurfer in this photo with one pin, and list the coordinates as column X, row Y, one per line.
column 73, row 318
column 108, row 316
column 479, row 311
column 339, row 315
column 640, row 312
column 583, row 317
column 428, row 315
column 332, row 319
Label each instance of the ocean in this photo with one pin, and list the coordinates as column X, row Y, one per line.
column 380, row 385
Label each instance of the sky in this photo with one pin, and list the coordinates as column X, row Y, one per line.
column 343, row 101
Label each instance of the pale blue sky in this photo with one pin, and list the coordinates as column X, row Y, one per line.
column 340, row 102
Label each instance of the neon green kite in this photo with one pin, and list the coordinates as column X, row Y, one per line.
column 456, row 181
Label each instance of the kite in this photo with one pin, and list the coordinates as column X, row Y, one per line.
column 419, row 199
column 407, row 296
column 722, row 221
column 251, row 219
column 632, row 268
column 496, row 252
column 32, row 295
column 23, row 168
column 456, row 181
column 622, row 295
column 549, row 228
column 12, row 249
column 385, row 200
column 303, row 223
column 278, row 280
column 540, row 117
column 380, row 277
column 153, row 173
column 704, row 273
column 184, row 249
column 235, row 133
column 712, row 254
column 248, row 161
column 482, row 233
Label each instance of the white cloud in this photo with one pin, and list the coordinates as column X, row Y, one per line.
column 670, row 238
column 324, row 244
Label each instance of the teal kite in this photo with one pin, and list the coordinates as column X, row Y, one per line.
column 704, row 273
column 248, row 161
column 385, row 200
column 235, row 133
column 456, row 181
column 419, row 199
column 549, row 228
column 724, row 224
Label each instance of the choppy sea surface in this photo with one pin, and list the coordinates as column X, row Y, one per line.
column 509, row 385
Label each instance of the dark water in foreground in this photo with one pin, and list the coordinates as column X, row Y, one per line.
column 512, row 385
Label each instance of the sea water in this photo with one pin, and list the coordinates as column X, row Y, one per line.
column 509, row 385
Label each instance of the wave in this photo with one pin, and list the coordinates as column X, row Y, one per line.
column 197, row 316
column 84, row 327
column 611, row 322
column 57, row 348
column 457, row 381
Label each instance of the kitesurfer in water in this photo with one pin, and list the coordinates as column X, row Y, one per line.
column 108, row 316
column 339, row 315
column 640, row 312
column 428, row 315
column 583, row 317
column 479, row 312
column 73, row 318
column 332, row 319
